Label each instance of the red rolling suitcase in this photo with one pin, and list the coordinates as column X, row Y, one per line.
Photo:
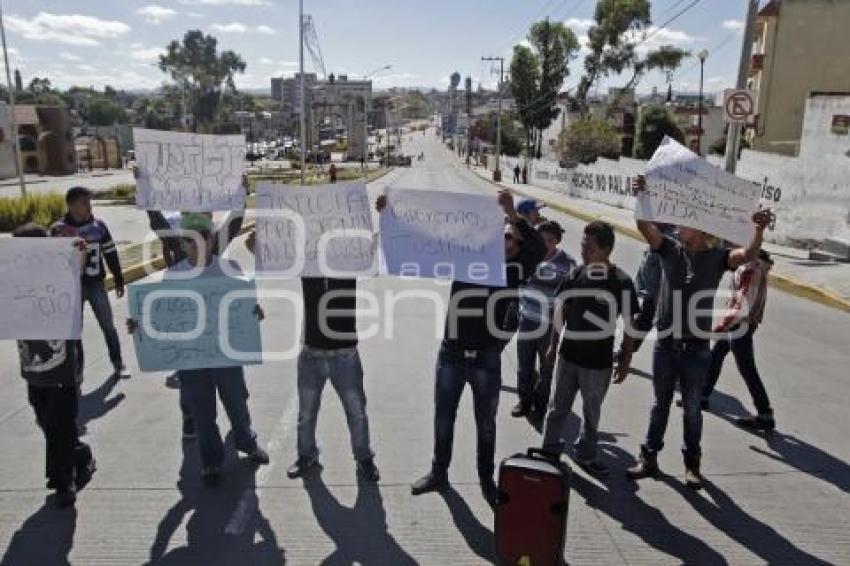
column 531, row 514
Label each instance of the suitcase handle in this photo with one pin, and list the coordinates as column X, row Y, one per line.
column 543, row 454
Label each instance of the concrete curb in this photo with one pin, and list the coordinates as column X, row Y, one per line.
column 145, row 268
column 785, row 283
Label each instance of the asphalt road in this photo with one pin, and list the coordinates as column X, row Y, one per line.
column 781, row 500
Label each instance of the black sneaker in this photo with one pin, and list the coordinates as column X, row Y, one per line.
column 189, row 429
column 520, row 410
column 429, row 483
column 368, row 471
column 258, row 456
column 173, row 381
column 211, row 475
column 764, row 423
column 66, row 496
column 301, row 467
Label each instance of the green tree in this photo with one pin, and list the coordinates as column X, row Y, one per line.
column 485, row 129
column 554, row 45
column 202, row 73
column 613, row 42
column 102, row 111
column 655, row 122
column 524, row 85
column 587, row 139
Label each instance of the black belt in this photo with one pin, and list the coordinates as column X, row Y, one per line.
column 464, row 354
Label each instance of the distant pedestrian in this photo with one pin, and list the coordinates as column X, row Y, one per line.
column 202, row 386
column 79, row 222
column 588, row 303
column 536, row 308
column 516, row 173
column 744, row 315
column 332, row 173
column 525, row 174
column 692, row 269
column 52, row 370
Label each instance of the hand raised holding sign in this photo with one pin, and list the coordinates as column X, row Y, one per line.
column 506, row 201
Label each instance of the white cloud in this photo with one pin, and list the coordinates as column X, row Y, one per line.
column 655, row 37
column 226, row 2
column 194, row 15
column 732, row 24
column 69, row 56
column 87, row 68
column 266, row 61
column 154, row 14
column 237, row 27
column 70, row 29
column 139, row 52
column 233, row 27
column 579, row 26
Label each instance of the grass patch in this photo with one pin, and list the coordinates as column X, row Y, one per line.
column 125, row 192
column 43, row 209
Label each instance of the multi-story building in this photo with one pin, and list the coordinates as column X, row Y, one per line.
column 798, row 49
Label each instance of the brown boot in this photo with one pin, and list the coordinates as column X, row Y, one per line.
column 693, row 478
column 646, row 467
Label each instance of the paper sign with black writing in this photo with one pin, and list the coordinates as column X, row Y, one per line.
column 203, row 322
column 686, row 190
column 40, row 289
column 189, row 172
column 320, row 231
column 444, row 235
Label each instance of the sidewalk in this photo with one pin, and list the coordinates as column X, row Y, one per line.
column 827, row 283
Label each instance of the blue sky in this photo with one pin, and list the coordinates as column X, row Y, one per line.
column 97, row 42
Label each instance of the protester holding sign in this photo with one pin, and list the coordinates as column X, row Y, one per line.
column 201, row 385
column 471, row 353
column 329, row 353
column 80, row 223
column 692, row 270
column 53, row 370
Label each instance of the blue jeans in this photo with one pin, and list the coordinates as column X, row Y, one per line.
column 199, row 387
column 685, row 363
column 742, row 350
column 533, row 386
column 343, row 368
column 94, row 292
column 484, row 375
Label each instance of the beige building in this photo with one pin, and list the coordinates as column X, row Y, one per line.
column 800, row 47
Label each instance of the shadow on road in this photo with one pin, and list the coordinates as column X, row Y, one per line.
column 225, row 519
column 478, row 538
column 97, row 403
column 622, row 504
column 45, row 538
column 360, row 533
column 759, row 538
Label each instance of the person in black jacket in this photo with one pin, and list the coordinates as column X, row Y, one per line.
column 53, row 370
column 80, row 223
column 471, row 353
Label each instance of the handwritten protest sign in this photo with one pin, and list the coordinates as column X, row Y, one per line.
column 205, row 322
column 315, row 231
column 444, row 235
column 189, row 172
column 40, row 289
column 686, row 190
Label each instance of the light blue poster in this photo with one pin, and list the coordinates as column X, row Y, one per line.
column 205, row 322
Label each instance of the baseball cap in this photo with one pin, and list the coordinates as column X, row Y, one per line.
column 196, row 222
column 527, row 205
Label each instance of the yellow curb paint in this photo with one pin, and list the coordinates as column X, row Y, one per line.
column 783, row 282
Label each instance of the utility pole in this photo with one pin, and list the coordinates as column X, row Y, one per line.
column 497, row 174
column 13, row 122
column 734, row 135
column 703, row 55
column 303, row 88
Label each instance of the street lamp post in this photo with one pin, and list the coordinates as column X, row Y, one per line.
column 12, row 121
column 703, row 55
column 497, row 174
column 303, row 88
